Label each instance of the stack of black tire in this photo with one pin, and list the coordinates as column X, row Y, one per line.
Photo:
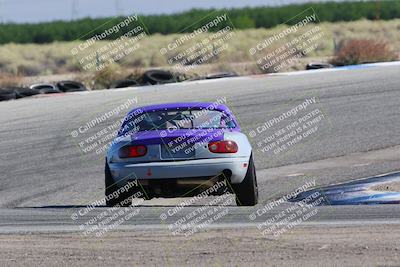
column 158, row 77
column 150, row 77
column 70, row 86
column 125, row 83
column 9, row 93
column 318, row 65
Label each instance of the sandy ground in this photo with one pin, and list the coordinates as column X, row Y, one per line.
column 304, row 245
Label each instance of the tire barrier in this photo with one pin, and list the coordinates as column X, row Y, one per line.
column 318, row 65
column 71, row 86
column 14, row 92
column 7, row 94
column 45, row 88
column 158, row 77
column 221, row 75
column 124, row 83
column 21, row 92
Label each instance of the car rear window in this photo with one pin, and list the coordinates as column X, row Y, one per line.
column 178, row 119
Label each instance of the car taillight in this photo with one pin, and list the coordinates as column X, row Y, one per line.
column 223, row 147
column 132, row 151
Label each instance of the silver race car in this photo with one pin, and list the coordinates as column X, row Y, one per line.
column 180, row 150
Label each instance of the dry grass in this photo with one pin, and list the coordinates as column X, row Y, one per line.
column 55, row 58
column 7, row 79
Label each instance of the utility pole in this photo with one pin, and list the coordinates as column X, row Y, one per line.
column 118, row 8
column 74, row 9
column 1, row 15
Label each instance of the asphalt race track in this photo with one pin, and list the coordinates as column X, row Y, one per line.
column 46, row 176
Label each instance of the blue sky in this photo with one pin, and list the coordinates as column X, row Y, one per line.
column 20, row 11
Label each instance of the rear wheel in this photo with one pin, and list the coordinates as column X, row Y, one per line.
column 247, row 191
column 113, row 197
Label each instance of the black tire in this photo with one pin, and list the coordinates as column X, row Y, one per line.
column 122, row 200
column 158, row 77
column 247, row 191
column 45, row 88
column 21, row 92
column 125, row 83
column 7, row 94
column 71, row 86
column 221, row 75
column 316, row 66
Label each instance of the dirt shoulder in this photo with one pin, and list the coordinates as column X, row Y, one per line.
column 306, row 245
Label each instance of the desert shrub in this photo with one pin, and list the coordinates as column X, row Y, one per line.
column 103, row 78
column 359, row 51
column 135, row 74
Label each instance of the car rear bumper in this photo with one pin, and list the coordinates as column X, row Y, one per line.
column 122, row 172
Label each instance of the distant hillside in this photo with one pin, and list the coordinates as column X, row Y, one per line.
column 243, row 18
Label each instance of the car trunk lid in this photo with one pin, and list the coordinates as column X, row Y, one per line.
column 176, row 144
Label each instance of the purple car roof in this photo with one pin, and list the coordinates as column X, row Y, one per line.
column 177, row 105
column 183, row 105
